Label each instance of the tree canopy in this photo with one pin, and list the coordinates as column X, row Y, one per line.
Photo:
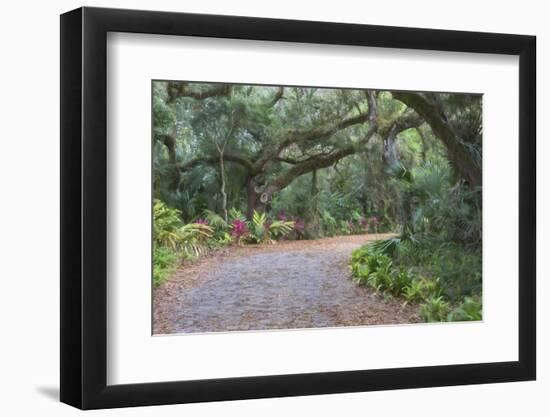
column 242, row 145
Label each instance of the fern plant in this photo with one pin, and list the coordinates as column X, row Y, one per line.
column 435, row 309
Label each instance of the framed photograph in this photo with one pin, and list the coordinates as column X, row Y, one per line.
column 256, row 208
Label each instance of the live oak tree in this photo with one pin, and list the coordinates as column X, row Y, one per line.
column 259, row 140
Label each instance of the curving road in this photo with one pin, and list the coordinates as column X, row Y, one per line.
column 293, row 284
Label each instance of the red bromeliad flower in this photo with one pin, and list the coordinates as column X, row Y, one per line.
column 239, row 228
column 202, row 221
column 281, row 216
column 299, row 224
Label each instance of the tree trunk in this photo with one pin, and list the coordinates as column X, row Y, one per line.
column 170, row 143
column 253, row 202
column 314, row 187
column 222, row 189
column 457, row 153
column 390, row 149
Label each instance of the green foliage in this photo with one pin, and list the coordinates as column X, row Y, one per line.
column 458, row 269
column 165, row 262
column 214, row 220
column 380, row 278
column 375, row 270
column 264, row 230
column 469, row 310
column 174, row 241
column 434, row 309
column 401, row 280
column 258, row 229
column 235, row 214
column 224, row 239
column 370, row 265
column 420, row 289
column 392, row 246
column 193, row 238
column 279, row 228
column 166, row 224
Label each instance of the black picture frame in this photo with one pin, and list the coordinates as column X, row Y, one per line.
column 84, row 207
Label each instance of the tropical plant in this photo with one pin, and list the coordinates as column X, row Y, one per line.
column 434, row 309
column 420, row 289
column 469, row 310
column 164, row 263
column 236, row 214
column 166, row 223
column 192, row 238
column 239, row 230
column 214, row 220
column 264, row 230
column 400, row 281
column 170, row 232
column 380, row 279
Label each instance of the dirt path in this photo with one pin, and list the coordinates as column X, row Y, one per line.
column 292, row 284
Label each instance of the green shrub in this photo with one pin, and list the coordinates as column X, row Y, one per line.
column 263, row 230
column 469, row 310
column 214, row 220
column 421, row 289
column 361, row 273
column 459, row 271
column 224, row 239
column 434, row 309
column 193, row 238
column 376, row 270
column 174, row 241
column 365, row 255
column 329, row 223
column 165, row 263
column 380, row 279
column 170, row 232
column 166, row 222
column 400, row 281
column 235, row 214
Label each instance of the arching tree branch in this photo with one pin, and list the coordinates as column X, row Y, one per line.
column 458, row 154
column 323, row 160
column 294, row 137
column 245, row 163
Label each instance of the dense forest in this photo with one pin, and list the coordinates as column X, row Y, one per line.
column 241, row 164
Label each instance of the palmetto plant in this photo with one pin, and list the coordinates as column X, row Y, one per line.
column 435, row 309
column 422, row 289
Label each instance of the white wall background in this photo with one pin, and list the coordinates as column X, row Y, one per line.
column 29, row 225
